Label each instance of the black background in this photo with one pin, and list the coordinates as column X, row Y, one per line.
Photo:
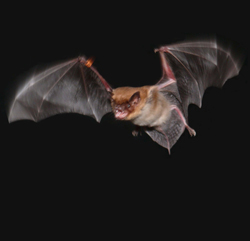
column 73, row 155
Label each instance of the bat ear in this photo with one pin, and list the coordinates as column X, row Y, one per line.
column 135, row 98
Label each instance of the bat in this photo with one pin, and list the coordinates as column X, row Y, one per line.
column 161, row 110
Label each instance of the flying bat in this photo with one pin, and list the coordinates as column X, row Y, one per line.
column 161, row 110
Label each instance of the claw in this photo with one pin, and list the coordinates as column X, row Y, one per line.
column 191, row 131
column 90, row 61
column 135, row 133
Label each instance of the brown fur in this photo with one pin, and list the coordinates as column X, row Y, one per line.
column 122, row 96
column 152, row 110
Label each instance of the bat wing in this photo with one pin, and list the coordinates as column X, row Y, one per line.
column 72, row 86
column 190, row 68
column 198, row 65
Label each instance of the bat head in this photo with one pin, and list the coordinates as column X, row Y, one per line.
column 126, row 102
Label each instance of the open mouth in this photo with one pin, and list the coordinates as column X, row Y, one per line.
column 120, row 115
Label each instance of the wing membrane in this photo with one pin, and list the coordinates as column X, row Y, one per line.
column 67, row 87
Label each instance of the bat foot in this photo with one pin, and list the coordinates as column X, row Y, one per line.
column 137, row 131
column 191, row 131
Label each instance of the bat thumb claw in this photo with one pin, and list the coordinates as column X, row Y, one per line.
column 90, row 61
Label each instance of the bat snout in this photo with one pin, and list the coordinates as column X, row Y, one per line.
column 120, row 115
column 120, row 112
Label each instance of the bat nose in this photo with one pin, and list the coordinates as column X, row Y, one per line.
column 120, row 112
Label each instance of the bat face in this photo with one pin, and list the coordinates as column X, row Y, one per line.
column 127, row 102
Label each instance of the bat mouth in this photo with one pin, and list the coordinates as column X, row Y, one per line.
column 120, row 115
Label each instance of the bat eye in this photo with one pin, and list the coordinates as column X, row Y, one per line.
column 128, row 105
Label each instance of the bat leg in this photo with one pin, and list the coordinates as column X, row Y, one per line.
column 190, row 130
column 159, row 129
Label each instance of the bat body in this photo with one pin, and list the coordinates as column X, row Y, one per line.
column 147, row 107
column 188, row 68
column 144, row 106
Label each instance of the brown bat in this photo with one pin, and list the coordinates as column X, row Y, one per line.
column 161, row 110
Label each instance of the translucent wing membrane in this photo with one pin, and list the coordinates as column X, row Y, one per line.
column 189, row 68
column 199, row 65
column 71, row 86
